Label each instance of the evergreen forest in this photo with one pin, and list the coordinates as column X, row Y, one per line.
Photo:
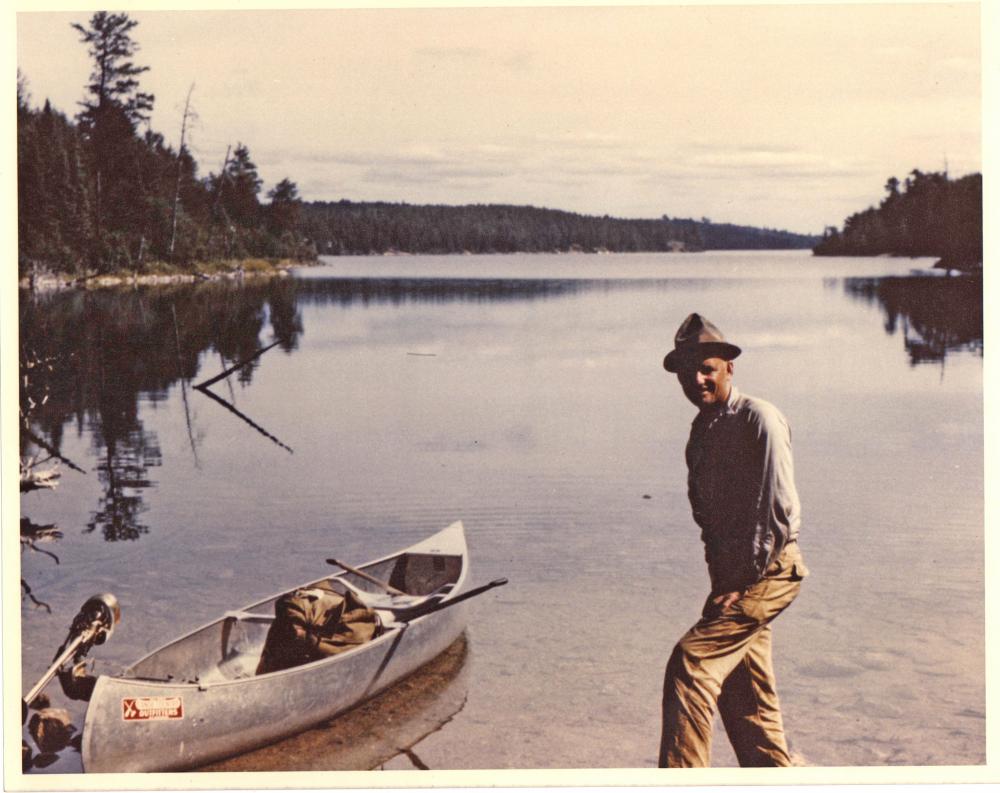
column 347, row 227
column 927, row 215
column 103, row 192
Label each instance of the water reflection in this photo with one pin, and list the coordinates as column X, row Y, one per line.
column 371, row 734
column 31, row 535
column 246, row 419
column 350, row 291
column 124, row 476
column 389, row 725
column 936, row 315
column 91, row 357
column 55, row 740
column 34, row 533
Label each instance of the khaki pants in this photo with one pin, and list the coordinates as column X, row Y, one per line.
column 726, row 659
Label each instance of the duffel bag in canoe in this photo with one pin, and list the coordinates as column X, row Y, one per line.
column 314, row 623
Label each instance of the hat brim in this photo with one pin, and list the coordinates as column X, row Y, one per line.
column 700, row 351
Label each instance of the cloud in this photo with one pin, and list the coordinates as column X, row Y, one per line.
column 753, row 148
column 582, row 161
column 757, row 162
column 581, row 139
column 437, row 174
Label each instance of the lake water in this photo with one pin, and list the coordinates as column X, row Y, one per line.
column 525, row 396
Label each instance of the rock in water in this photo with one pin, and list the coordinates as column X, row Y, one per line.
column 51, row 728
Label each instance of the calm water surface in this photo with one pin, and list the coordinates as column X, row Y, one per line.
column 524, row 395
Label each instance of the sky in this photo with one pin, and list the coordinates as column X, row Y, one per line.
column 785, row 116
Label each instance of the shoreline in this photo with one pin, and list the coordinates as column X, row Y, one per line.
column 254, row 268
column 232, row 270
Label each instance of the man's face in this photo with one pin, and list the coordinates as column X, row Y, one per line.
column 706, row 381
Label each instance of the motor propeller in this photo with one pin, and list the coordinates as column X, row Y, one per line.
column 99, row 614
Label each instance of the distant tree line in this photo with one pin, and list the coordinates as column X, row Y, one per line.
column 931, row 215
column 97, row 195
column 103, row 192
column 348, row 227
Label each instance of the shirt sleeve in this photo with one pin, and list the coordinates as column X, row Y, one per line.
column 777, row 503
column 765, row 505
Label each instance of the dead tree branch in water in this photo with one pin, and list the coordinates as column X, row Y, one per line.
column 27, row 591
column 235, row 367
column 38, row 479
column 32, row 533
column 41, row 444
column 248, row 420
column 203, row 388
column 184, row 381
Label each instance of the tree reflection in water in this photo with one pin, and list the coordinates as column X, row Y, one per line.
column 123, row 474
column 112, row 349
column 349, row 291
column 936, row 314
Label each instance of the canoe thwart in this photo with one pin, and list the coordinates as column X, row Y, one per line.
column 202, row 696
column 238, row 614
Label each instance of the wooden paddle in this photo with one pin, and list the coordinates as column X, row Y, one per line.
column 421, row 609
column 371, row 579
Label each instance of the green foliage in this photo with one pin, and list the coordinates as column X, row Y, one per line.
column 932, row 216
column 54, row 205
column 98, row 197
column 113, row 88
column 239, row 187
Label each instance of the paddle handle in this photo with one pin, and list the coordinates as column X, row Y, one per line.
column 464, row 596
column 371, row 579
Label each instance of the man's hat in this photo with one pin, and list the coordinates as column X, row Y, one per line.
column 698, row 338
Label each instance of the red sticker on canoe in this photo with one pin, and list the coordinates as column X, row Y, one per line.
column 152, row 708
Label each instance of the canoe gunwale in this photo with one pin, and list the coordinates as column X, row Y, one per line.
column 101, row 714
column 454, row 529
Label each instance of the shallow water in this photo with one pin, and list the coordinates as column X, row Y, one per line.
column 524, row 395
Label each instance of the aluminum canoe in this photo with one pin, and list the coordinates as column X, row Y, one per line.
column 197, row 699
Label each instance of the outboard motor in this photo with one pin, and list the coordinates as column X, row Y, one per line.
column 93, row 625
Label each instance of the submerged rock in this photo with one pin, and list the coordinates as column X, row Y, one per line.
column 52, row 729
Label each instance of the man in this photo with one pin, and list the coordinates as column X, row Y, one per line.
column 743, row 497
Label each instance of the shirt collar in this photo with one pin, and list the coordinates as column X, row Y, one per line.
column 734, row 395
column 727, row 408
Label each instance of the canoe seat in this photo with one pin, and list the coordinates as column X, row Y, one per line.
column 242, row 639
column 235, row 667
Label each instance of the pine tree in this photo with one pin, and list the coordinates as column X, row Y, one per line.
column 108, row 122
column 241, row 186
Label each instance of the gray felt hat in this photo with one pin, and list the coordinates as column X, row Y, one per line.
column 698, row 338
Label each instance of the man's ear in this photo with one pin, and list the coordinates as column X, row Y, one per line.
column 729, row 367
